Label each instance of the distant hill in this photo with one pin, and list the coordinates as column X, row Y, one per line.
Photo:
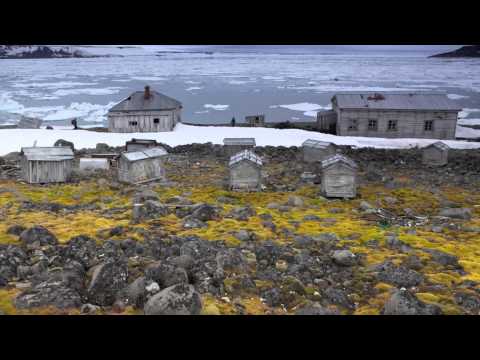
column 42, row 52
column 470, row 51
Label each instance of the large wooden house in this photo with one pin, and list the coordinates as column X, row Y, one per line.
column 144, row 111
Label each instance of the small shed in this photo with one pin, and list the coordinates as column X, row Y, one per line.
column 245, row 171
column 236, row 145
column 41, row 165
column 141, row 166
column 255, row 120
column 435, row 154
column 140, row 144
column 29, row 123
column 314, row 150
column 339, row 177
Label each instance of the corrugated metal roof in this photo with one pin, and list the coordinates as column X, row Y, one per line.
column 145, row 154
column 55, row 153
column 317, row 144
column 137, row 102
column 239, row 141
column 245, row 155
column 396, row 101
column 439, row 145
column 338, row 158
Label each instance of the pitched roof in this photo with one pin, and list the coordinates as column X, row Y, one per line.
column 338, row 158
column 245, row 155
column 396, row 101
column 439, row 145
column 317, row 144
column 145, row 154
column 55, row 153
column 239, row 141
column 137, row 102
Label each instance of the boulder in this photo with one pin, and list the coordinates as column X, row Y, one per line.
column 83, row 249
column 15, row 230
column 107, row 280
column 166, row 275
column 295, row 201
column 402, row 302
column 205, row 212
column 48, row 294
column 316, row 309
column 456, row 213
column 242, row 213
column 145, row 195
column 398, row 275
column 180, row 299
column 150, row 209
column 344, row 257
column 38, row 235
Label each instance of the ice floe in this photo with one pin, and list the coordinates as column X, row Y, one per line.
column 218, row 107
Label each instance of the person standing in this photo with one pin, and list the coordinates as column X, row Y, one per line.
column 233, row 122
column 74, row 123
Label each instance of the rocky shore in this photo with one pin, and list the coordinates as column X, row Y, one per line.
column 409, row 244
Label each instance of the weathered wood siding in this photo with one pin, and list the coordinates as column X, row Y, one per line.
column 41, row 172
column 143, row 121
column 140, row 170
column 326, row 120
column 410, row 124
column 432, row 156
column 339, row 181
column 312, row 154
column 245, row 176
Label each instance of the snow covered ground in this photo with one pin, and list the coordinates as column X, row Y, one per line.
column 13, row 140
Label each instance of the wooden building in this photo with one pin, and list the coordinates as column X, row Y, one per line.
column 255, row 120
column 235, row 145
column 40, row 165
column 339, row 177
column 435, row 154
column 144, row 111
column 29, row 123
column 245, row 171
column 314, row 150
column 141, row 166
column 391, row 115
column 140, row 144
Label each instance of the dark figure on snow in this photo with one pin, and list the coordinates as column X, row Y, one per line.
column 233, row 122
column 74, row 123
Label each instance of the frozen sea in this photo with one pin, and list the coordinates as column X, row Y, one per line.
column 214, row 87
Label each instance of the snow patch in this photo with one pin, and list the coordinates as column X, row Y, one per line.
column 456, row 96
column 218, row 107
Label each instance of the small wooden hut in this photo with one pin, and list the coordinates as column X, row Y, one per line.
column 29, row 123
column 245, row 171
column 339, row 177
column 435, row 154
column 255, row 120
column 140, row 144
column 235, row 145
column 141, row 166
column 314, row 150
column 41, row 165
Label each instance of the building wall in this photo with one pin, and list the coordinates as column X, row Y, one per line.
column 140, row 170
column 434, row 157
column 121, row 122
column 253, row 122
column 410, row 124
column 245, row 176
column 40, row 172
column 340, row 181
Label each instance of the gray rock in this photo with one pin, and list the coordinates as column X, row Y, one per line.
column 242, row 213
column 48, row 294
column 230, row 259
column 316, row 309
column 456, row 213
column 402, row 302
column 180, row 299
column 166, row 275
column 295, row 201
column 244, row 235
column 365, row 206
column 15, row 230
column 134, row 294
column 82, row 249
column 344, row 257
column 150, row 209
column 89, row 309
column 469, row 301
column 205, row 212
column 107, row 280
column 190, row 222
column 183, row 261
column 398, row 275
column 38, row 235
column 145, row 195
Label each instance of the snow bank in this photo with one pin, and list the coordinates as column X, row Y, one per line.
column 14, row 139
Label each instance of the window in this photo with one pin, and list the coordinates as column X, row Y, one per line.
column 392, row 125
column 352, row 125
column 372, row 125
column 132, row 123
column 429, row 125
column 156, row 121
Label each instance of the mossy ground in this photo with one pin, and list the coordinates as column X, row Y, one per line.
column 354, row 230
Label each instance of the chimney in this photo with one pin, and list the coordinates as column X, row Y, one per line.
column 147, row 94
